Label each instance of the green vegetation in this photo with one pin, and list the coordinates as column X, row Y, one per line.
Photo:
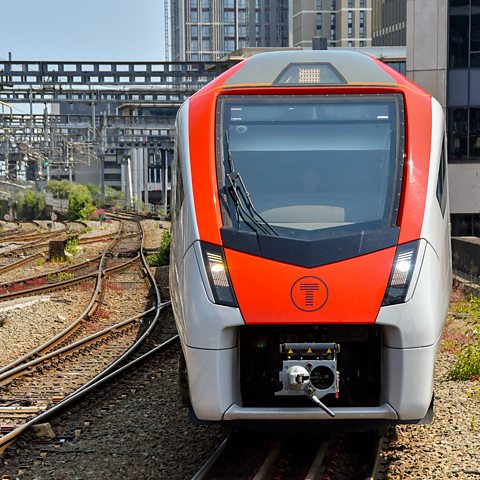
column 71, row 246
column 467, row 366
column 29, row 205
column 40, row 261
column 162, row 257
column 80, row 203
column 85, row 230
column 95, row 193
column 81, row 198
column 113, row 195
column 62, row 276
column 60, row 188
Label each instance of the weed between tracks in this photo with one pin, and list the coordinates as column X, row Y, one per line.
column 464, row 341
column 162, row 257
column 72, row 245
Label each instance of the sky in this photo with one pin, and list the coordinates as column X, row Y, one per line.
column 83, row 30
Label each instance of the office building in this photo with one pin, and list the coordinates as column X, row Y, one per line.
column 209, row 29
column 389, row 22
column 448, row 66
column 343, row 23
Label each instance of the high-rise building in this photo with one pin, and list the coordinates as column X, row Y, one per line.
column 343, row 23
column 389, row 22
column 209, row 29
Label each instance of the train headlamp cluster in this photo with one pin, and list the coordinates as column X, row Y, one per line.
column 401, row 275
column 217, row 273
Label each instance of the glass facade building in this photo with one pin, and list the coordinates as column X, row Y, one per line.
column 464, row 81
column 203, row 30
column 389, row 22
column 463, row 100
column 343, row 23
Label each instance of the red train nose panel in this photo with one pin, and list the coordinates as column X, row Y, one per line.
column 350, row 291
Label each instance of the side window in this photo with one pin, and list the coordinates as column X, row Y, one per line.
column 441, row 181
column 178, row 193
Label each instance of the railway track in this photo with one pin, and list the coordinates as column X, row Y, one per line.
column 97, row 274
column 41, row 243
column 71, row 274
column 66, row 365
column 352, row 456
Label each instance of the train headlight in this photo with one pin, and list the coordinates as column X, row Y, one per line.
column 217, row 273
column 401, row 274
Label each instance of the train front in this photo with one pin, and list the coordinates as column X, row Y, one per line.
column 310, row 271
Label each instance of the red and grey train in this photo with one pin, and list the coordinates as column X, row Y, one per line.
column 310, row 269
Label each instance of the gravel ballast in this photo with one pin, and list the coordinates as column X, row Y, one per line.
column 137, row 429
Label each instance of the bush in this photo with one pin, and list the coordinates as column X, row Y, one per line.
column 29, row 205
column 60, row 188
column 95, row 215
column 162, row 257
column 80, row 204
column 112, row 194
column 71, row 246
column 467, row 365
column 96, row 193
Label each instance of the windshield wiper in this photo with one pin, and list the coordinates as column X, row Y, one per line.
column 242, row 199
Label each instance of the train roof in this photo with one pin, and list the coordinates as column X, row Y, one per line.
column 310, row 67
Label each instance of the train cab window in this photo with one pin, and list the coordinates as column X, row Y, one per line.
column 441, row 183
column 309, row 163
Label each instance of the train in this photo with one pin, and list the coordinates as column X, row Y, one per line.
column 310, row 270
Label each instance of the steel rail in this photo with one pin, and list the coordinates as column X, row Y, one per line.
column 375, row 456
column 19, row 263
column 10, row 437
column 108, row 374
column 34, row 244
column 90, row 308
column 40, row 232
column 205, row 470
column 32, row 236
column 20, row 370
column 150, row 328
column 46, row 236
column 317, row 464
column 77, row 266
column 55, row 339
column 60, row 336
column 59, row 270
column 64, row 283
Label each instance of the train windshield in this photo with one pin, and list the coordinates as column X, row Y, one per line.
column 295, row 165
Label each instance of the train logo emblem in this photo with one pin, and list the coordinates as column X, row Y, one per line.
column 309, row 294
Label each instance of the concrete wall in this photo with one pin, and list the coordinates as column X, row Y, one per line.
column 427, row 44
column 464, row 187
column 466, row 257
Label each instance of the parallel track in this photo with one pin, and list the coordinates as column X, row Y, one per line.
column 78, row 347
column 293, row 457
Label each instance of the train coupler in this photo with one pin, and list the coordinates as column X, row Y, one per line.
column 310, row 369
